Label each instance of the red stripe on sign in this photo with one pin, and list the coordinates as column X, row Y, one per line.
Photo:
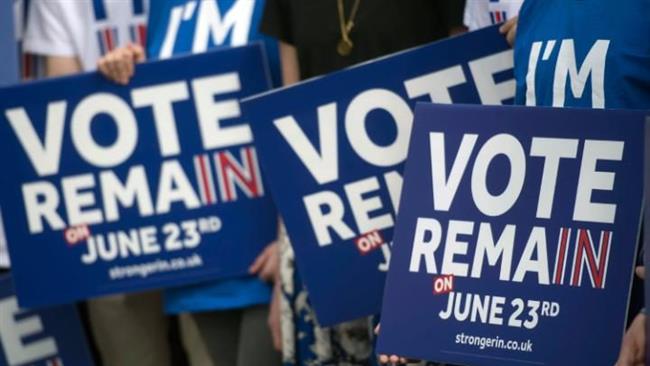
column 601, row 271
column 109, row 39
column 224, row 164
column 255, row 187
column 204, row 179
column 142, row 33
column 559, row 270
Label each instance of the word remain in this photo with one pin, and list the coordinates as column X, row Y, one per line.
column 584, row 254
column 216, row 177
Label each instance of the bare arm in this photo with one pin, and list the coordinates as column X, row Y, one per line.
column 61, row 65
column 290, row 66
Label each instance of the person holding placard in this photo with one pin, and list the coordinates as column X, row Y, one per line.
column 573, row 54
column 71, row 36
column 315, row 39
column 231, row 314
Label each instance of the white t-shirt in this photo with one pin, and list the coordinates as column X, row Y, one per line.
column 483, row 13
column 87, row 29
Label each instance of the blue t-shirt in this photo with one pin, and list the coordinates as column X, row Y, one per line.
column 584, row 53
column 190, row 26
column 193, row 26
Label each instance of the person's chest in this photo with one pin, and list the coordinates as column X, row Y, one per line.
column 319, row 22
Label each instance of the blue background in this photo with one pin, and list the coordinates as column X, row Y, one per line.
column 8, row 45
column 61, row 323
column 590, row 326
column 342, row 284
column 48, row 271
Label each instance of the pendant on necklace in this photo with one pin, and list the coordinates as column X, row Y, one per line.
column 344, row 47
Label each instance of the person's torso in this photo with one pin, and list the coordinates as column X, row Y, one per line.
column 483, row 13
column 380, row 27
column 178, row 27
column 584, row 53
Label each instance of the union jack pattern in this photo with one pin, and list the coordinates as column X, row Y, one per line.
column 108, row 35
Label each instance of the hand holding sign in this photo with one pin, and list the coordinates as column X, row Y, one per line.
column 119, row 65
column 488, row 265
column 633, row 349
column 128, row 188
column 266, row 264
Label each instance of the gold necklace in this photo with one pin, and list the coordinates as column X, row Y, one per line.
column 345, row 45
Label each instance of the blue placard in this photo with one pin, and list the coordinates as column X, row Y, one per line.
column 8, row 44
column 49, row 337
column 517, row 236
column 333, row 150
column 114, row 189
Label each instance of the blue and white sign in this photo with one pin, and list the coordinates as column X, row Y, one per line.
column 112, row 189
column 50, row 337
column 516, row 238
column 333, row 148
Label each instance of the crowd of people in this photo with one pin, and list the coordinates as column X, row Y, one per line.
column 265, row 318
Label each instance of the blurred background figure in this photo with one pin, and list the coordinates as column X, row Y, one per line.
column 484, row 13
column 31, row 66
column 317, row 37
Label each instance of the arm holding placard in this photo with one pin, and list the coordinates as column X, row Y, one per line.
column 633, row 347
column 61, row 66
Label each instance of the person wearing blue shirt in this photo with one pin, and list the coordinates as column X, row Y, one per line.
column 585, row 54
column 589, row 54
column 576, row 53
column 231, row 314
